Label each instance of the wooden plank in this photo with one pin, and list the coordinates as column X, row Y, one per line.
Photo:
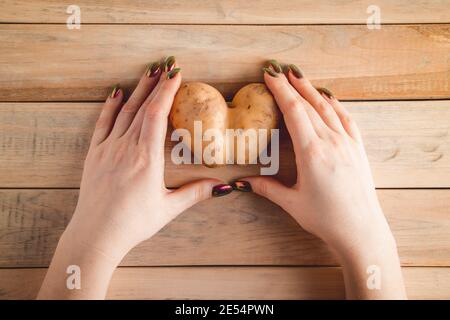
column 51, row 63
column 240, row 229
column 227, row 11
column 223, row 283
column 44, row 144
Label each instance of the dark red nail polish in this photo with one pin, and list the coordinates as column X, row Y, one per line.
column 296, row 71
column 173, row 73
column 326, row 92
column 169, row 63
column 243, row 186
column 221, row 190
column 153, row 69
column 115, row 91
column 270, row 72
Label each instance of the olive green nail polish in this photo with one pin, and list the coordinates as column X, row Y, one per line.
column 270, row 72
column 153, row 69
column 169, row 63
column 326, row 92
column 275, row 65
column 296, row 71
column 115, row 91
column 173, row 73
column 243, row 186
column 221, row 190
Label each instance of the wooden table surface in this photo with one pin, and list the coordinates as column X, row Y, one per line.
column 395, row 81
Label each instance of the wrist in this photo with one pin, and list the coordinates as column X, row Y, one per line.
column 76, row 263
column 372, row 269
column 89, row 250
column 370, row 243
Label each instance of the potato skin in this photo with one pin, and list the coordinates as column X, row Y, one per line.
column 197, row 101
column 255, row 107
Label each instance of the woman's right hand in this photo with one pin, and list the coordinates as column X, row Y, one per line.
column 334, row 196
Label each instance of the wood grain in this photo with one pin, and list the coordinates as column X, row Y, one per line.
column 240, row 229
column 223, row 283
column 52, row 63
column 44, row 144
column 226, row 11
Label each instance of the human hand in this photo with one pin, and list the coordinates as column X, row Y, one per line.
column 123, row 199
column 334, row 196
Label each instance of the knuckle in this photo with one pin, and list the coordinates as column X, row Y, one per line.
column 102, row 122
column 199, row 193
column 155, row 112
column 292, row 107
column 262, row 187
column 145, row 159
column 167, row 89
column 336, row 140
column 131, row 106
column 142, row 160
column 323, row 107
column 347, row 118
column 120, row 152
column 313, row 152
column 95, row 154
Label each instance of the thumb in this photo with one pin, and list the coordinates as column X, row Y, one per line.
column 269, row 188
column 194, row 192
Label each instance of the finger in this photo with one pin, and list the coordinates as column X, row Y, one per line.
column 129, row 110
column 319, row 126
column 295, row 116
column 317, row 101
column 107, row 116
column 194, row 192
column 154, row 124
column 270, row 188
column 166, row 67
column 346, row 119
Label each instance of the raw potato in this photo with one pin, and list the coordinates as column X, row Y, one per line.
column 253, row 107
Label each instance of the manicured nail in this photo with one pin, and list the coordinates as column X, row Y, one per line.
column 326, row 92
column 221, row 190
column 296, row 71
column 275, row 65
column 243, row 186
column 153, row 69
column 270, row 72
column 169, row 63
column 115, row 91
column 173, row 73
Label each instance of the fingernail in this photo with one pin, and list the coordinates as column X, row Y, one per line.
column 326, row 92
column 270, row 72
column 173, row 73
column 296, row 71
column 275, row 65
column 221, row 190
column 115, row 91
column 169, row 63
column 243, row 186
column 152, row 69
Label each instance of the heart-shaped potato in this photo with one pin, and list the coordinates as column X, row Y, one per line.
column 253, row 108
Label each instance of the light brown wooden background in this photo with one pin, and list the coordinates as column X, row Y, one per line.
column 394, row 80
